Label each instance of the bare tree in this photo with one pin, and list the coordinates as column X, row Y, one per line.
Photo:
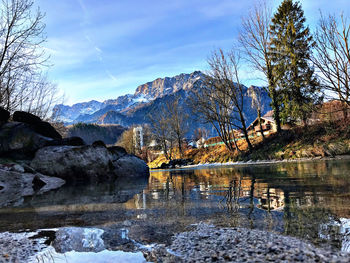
column 254, row 38
column 255, row 93
column 200, row 133
column 213, row 107
column 225, row 79
column 23, row 84
column 332, row 58
column 160, row 128
column 177, row 121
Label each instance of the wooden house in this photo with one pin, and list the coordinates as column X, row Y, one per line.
column 267, row 122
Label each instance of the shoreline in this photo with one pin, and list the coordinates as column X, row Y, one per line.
column 257, row 162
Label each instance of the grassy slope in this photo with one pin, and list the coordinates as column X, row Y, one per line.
column 321, row 140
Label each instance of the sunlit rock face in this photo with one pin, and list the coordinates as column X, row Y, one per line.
column 165, row 86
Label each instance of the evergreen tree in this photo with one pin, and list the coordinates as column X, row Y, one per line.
column 290, row 45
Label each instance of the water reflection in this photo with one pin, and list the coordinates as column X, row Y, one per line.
column 307, row 200
column 297, row 199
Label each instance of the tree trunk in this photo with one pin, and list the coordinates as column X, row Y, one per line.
column 180, row 146
column 260, row 125
column 274, row 103
column 345, row 111
column 244, row 128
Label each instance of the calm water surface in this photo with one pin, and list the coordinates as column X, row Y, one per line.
column 310, row 200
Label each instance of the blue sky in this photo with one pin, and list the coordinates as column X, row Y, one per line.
column 101, row 49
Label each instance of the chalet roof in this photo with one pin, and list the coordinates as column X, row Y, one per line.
column 265, row 117
column 269, row 114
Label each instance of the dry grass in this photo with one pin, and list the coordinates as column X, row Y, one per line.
column 319, row 140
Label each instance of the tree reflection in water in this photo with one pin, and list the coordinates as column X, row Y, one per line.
column 310, row 200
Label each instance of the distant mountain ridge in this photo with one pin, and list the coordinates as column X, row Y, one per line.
column 89, row 111
column 133, row 109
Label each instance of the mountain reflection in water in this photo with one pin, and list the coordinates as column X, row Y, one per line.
column 310, row 200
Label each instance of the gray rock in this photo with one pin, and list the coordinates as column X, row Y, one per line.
column 17, row 168
column 14, row 186
column 4, row 115
column 19, row 140
column 117, row 152
column 78, row 239
column 86, row 162
column 130, row 166
column 74, row 162
column 42, row 127
column 25, row 117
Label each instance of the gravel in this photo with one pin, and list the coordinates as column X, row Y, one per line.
column 211, row 244
column 19, row 247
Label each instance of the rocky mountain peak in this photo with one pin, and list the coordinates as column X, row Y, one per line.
column 168, row 85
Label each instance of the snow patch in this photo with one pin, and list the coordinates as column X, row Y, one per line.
column 51, row 256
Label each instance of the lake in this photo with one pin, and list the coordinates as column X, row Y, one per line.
column 309, row 200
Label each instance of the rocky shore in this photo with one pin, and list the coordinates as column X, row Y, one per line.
column 204, row 243
column 207, row 243
column 34, row 158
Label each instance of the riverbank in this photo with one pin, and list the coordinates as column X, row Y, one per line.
column 326, row 140
column 260, row 162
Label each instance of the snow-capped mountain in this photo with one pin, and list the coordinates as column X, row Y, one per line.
column 92, row 111
column 148, row 99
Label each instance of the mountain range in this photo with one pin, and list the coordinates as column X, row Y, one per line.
column 134, row 109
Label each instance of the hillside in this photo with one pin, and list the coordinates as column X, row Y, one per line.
column 325, row 139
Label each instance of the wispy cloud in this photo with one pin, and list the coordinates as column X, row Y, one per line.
column 103, row 49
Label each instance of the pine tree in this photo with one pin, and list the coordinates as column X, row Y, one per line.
column 291, row 44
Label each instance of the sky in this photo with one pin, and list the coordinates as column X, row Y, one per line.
column 101, row 49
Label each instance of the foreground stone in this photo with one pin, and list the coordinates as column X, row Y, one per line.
column 210, row 244
column 19, row 140
column 4, row 115
column 16, row 185
column 42, row 127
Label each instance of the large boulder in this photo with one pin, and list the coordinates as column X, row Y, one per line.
column 4, row 115
column 70, row 141
column 130, row 166
column 74, row 162
column 19, row 140
column 87, row 162
column 117, row 152
column 25, row 117
column 16, row 185
column 42, row 127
